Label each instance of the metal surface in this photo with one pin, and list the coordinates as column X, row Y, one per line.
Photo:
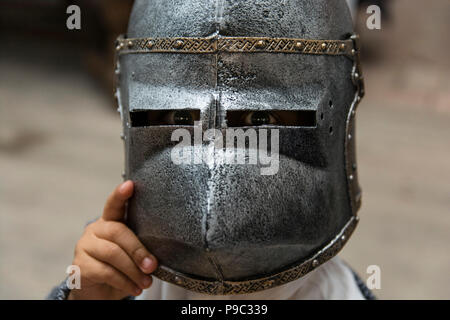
column 225, row 229
column 254, row 285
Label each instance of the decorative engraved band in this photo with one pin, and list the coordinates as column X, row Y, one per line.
column 215, row 287
column 235, row 45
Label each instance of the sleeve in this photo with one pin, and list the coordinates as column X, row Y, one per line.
column 363, row 288
column 61, row 292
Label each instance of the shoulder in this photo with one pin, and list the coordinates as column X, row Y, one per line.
column 335, row 280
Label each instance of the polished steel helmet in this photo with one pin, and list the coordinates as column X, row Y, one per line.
column 283, row 68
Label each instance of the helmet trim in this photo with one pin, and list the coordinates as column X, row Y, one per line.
column 217, row 44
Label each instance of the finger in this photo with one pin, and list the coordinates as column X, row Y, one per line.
column 125, row 238
column 115, row 205
column 112, row 254
column 102, row 273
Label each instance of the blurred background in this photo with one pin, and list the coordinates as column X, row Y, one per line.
column 61, row 155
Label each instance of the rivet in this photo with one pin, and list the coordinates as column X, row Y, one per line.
column 357, row 218
column 130, row 44
column 356, row 75
column 324, row 46
column 268, row 284
column 260, row 44
column 349, row 137
column 358, row 98
column 353, row 112
column 351, row 177
column 122, row 136
column 119, row 47
column 178, row 280
column 343, row 46
column 118, row 109
column 149, row 44
column 353, row 52
column 354, row 166
column 123, row 175
column 315, row 263
column 178, row 44
column 298, row 45
column 343, row 238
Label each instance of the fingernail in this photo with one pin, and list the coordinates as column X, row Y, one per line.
column 146, row 282
column 147, row 263
column 122, row 188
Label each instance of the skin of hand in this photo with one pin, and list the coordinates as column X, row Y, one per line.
column 113, row 262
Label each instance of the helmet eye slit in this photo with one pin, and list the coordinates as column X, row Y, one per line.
column 282, row 118
column 174, row 117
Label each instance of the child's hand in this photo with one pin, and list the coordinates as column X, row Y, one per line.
column 113, row 262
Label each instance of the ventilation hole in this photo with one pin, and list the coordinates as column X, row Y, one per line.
column 321, row 116
column 331, row 130
column 330, row 103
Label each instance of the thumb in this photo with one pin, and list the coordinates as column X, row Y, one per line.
column 115, row 205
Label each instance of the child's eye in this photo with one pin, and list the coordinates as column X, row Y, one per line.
column 180, row 118
column 259, row 118
column 144, row 118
